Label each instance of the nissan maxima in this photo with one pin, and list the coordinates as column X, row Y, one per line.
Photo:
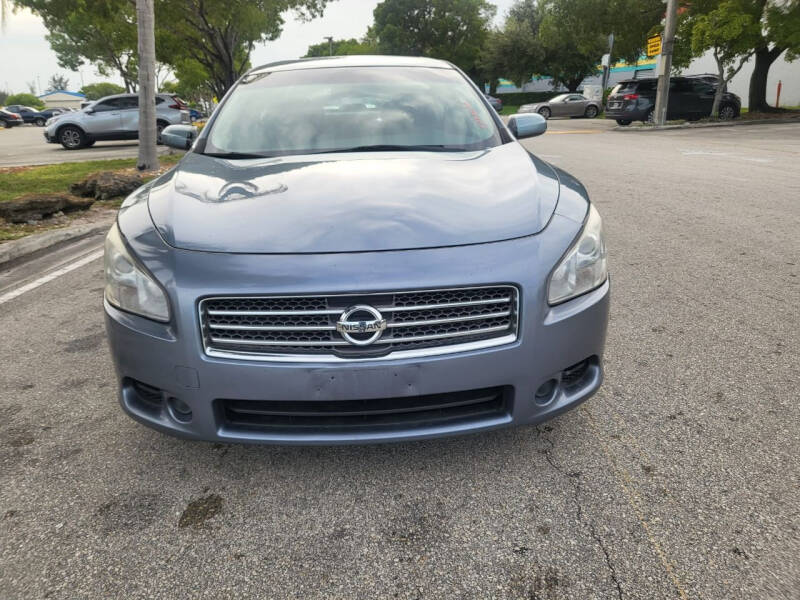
column 355, row 250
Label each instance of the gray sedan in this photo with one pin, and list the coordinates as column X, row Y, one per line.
column 564, row 105
column 322, row 271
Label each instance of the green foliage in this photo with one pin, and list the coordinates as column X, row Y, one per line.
column 453, row 30
column 98, row 32
column 57, row 82
column 25, row 100
column 211, row 40
column 343, row 48
column 783, row 26
column 566, row 38
column 95, row 91
column 3, row 96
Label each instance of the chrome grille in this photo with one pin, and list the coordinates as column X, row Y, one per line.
column 304, row 327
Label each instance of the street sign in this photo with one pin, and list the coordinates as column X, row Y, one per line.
column 654, row 45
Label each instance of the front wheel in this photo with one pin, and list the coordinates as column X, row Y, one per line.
column 71, row 137
column 623, row 122
column 727, row 112
column 545, row 112
column 650, row 117
column 39, row 121
column 591, row 112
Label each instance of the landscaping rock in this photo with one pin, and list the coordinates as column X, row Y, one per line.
column 35, row 207
column 106, row 185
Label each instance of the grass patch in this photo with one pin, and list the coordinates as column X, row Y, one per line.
column 49, row 179
column 510, row 109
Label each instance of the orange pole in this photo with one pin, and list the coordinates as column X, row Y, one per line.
column 778, row 97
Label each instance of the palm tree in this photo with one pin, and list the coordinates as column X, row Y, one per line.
column 148, row 157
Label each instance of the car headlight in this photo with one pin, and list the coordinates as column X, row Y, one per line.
column 584, row 266
column 128, row 286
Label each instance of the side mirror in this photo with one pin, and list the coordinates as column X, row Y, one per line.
column 179, row 136
column 88, row 110
column 527, row 125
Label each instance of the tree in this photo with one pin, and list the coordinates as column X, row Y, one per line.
column 780, row 33
column 148, row 155
column 99, row 32
column 216, row 37
column 453, row 30
column 515, row 51
column 343, row 48
column 25, row 100
column 57, row 82
column 95, row 91
column 729, row 29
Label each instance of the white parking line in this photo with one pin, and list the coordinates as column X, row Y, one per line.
column 85, row 260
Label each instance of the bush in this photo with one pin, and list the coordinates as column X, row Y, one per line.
column 520, row 98
column 95, row 91
column 25, row 100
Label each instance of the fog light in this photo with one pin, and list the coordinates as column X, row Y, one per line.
column 545, row 392
column 179, row 409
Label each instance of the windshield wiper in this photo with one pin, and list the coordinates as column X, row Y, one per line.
column 235, row 155
column 391, row 148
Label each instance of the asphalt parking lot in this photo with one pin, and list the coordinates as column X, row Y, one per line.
column 680, row 479
column 25, row 145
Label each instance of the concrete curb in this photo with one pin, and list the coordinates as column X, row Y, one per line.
column 704, row 125
column 33, row 243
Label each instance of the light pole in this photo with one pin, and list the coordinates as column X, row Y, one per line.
column 330, row 45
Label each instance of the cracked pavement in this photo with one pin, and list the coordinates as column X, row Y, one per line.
column 678, row 480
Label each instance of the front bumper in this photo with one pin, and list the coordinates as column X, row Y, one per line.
column 171, row 359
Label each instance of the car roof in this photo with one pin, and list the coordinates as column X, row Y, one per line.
column 127, row 96
column 360, row 60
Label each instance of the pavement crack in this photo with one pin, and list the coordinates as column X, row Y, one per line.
column 574, row 476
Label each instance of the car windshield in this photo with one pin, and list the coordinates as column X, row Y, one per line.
column 350, row 109
column 559, row 98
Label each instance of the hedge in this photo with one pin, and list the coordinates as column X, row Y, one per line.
column 520, row 98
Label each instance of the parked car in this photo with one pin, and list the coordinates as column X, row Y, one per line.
column 9, row 119
column 195, row 115
column 28, row 114
column 49, row 113
column 112, row 118
column 564, row 105
column 496, row 103
column 690, row 98
column 401, row 269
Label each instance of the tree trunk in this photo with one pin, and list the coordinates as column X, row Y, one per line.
column 148, row 157
column 720, row 88
column 757, row 95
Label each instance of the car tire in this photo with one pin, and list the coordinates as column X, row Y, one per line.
column 40, row 121
column 545, row 112
column 650, row 117
column 591, row 112
column 71, row 137
column 89, row 143
column 727, row 112
column 4, row 124
column 623, row 122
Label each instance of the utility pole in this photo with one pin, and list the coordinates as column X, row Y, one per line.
column 330, row 45
column 145, row 21
column 665, row 64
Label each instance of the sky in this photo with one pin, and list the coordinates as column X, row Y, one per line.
column 27, row 56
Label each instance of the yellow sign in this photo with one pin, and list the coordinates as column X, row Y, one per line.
column 654, row 45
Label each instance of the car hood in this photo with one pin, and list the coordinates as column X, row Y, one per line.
column 353, row 202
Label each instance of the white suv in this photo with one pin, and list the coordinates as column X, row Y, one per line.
column 112, row 118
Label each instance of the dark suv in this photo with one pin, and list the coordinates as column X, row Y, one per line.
column 690, row 98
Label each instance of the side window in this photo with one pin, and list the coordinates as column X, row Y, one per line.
column 702, row 87
column 679, row 86
column 107, row 105
column 575, row 98
column 129, row 102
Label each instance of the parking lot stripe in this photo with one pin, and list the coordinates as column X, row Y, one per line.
column 85, row 260
column 634, row 499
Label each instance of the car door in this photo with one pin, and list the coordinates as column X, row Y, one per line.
column 104, row 120
column 575, row 105
column 682, row 104
column 703, row 98
column 558, row 108
column 129, row 116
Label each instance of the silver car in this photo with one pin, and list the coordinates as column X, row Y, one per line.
column 564, row 105
column 320, row 270
column 112, row 118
